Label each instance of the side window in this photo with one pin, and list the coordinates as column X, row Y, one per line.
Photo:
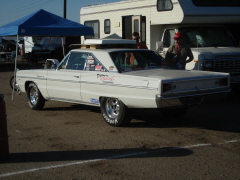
column 95, row 25
column 46, row 41
column 64, row 62
column 56, row 40
column 107, row 26
column 74, row 61
column 92, row 64
column 81, row 61
column 164, row 5
column 168, row 37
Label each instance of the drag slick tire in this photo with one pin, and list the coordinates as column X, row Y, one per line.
column 35, row 98
column 114, row 112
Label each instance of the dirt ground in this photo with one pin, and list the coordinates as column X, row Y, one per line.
column 72, row 142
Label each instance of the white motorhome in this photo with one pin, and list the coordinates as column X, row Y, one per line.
column 202, row 22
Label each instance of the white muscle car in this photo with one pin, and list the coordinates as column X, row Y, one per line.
column 118, row 80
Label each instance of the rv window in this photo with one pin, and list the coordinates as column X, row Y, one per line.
column 136, row 25
column 107, row 27
column 164, row 5
column 143, row 29
column 217, row 3
column 95, row 26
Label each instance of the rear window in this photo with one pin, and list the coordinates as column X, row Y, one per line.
column 136, row 60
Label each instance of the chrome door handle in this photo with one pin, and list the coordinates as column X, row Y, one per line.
column 76, row 76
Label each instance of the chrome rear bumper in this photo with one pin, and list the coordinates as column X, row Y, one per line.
column 190, row 99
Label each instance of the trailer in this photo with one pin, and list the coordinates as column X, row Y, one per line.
column 203, row 23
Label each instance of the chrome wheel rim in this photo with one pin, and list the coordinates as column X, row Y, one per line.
column 33, row 95
column 112, row 107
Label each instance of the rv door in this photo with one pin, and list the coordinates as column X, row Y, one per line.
column 167, row 40
column 139, row 25
column 136, row 22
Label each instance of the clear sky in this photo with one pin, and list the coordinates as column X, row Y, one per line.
column 11, row 10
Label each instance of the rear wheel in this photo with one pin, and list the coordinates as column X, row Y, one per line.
column 34, row 96
column 114, row 112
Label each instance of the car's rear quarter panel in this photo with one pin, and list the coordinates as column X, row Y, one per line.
column 133, row 91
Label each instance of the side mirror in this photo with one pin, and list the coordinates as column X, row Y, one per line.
column 51, row 64
column 54, row 66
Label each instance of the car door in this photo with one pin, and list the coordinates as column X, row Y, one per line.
column 63, row 84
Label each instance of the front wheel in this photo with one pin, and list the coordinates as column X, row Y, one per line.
column 35, row 98
column 114, row 112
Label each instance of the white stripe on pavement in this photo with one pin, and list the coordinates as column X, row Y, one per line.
column 113, row 157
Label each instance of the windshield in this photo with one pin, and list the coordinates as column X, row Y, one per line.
column 207, row 37
column 136, row 60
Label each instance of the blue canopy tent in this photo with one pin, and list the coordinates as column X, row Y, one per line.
column 43, row 23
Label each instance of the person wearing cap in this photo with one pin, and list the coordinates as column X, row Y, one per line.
column 136, row 37
column 178, row 53
column 130, row 56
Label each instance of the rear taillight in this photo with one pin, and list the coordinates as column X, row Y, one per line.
column 168, row 87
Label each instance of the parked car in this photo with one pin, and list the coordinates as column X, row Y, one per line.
column 52, row 47
column 103, row 77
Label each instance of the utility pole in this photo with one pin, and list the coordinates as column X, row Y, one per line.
column 64, row 8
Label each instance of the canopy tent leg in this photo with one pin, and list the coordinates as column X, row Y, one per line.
column 63, row 48
column 15, row 68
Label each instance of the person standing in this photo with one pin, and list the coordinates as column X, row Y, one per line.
column 136, row 37
column 178, row 53
column 130, row 56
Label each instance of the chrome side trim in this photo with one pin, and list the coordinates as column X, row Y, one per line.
column 30, row 78
column 61, row 80
column 72, row 101
column 119, row 85
column 86, row 82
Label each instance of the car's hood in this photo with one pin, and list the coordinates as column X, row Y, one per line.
column 173, row 74
column 218, row 52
